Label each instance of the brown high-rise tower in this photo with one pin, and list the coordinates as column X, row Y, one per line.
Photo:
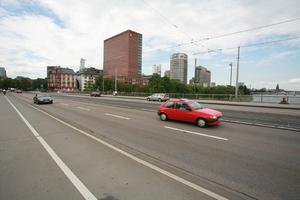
column 123, row 56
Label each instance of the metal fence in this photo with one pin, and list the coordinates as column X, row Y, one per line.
column 257, row 98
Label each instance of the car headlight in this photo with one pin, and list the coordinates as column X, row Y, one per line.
column 213, row 117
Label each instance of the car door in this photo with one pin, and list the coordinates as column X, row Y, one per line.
column 183, row 112
column 169, row 109
column 154, row 97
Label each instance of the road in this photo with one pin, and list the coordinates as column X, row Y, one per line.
column 79, row 148
column 282, row 118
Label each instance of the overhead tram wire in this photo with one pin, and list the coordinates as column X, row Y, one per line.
column 250, row 29
column 249, row 45
column 229, row 34
column 167, row 21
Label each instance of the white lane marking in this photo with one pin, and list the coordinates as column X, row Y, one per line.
column 84, row 191
column 64, row 104
column 118, row 116
column 145, row 163
column 144, row 109
column 196, row 133
column 82, row 108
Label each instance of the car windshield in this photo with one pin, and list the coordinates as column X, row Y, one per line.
column 195, row 105
column 43, row 95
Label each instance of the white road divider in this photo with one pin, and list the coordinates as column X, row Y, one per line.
column 196, row 133
column 82, row 108
column 118, row 116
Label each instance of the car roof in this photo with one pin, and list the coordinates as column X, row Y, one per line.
column 181, row 100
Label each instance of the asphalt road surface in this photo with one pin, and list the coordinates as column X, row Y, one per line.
column 282, row 118
column 79, row 148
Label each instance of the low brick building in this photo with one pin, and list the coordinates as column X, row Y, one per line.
column 61, row 79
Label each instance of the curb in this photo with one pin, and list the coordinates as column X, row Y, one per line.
column 262, row 125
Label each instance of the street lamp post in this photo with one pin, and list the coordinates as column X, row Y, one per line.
column 230, row 64
column 237, row 74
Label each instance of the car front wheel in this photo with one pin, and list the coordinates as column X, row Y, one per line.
column 201, row 123
column 163, row 117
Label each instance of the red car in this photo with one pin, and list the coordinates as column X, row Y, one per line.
column 188, row 111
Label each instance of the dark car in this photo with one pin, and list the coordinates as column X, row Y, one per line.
column 188, row 111
column 95, row 94
column 42, row 99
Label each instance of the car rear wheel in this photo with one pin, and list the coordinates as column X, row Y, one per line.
column 163, row 117
column 201, row 123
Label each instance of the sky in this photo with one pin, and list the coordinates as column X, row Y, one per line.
column 37, row 33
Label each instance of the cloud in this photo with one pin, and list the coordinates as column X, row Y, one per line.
column 294, row 80
column 57, row 32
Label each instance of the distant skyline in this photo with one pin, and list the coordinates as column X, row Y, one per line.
column 35, row 34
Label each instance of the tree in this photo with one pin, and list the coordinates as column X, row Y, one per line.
column 39, row 84
column 156, row 84
column 99, row 83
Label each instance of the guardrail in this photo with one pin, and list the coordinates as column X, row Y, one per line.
column 256, row 98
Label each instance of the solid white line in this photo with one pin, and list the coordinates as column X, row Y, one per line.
column 118, row 116
column 145, row 163
column 84, row 191
column 82, row 108
column 196, row 133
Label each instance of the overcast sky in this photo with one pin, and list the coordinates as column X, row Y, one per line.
column 38, row 33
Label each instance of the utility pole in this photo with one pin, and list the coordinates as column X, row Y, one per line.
column 102, row 83
column 237, row 74
column 230, row 64
column 116, row 74
column 194, row 82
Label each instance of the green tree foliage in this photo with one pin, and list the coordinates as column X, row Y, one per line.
column 24, row 83
column 156, row 84
column 39, row 84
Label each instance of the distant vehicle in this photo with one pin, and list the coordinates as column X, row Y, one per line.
column 95, row 94
column 18, row 91
column 158, row 97
column 4, row 92
column 188, row 111
column 42, row 99
column 115, row 93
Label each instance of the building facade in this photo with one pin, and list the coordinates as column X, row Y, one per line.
column 156, row 69
column 123, row 56
column 167, row 73
column 82, row 63
column 86, row 78
column 61, row 79
column 2, row 72
column 202, row 76
column 178, row 67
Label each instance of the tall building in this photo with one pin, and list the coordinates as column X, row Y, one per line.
column 82, row 64
column 123, row 56
column 202, row 76
column 157, row 69
column 178, row 67
column 2, row 72
column 61, row 79
column 167, row 73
